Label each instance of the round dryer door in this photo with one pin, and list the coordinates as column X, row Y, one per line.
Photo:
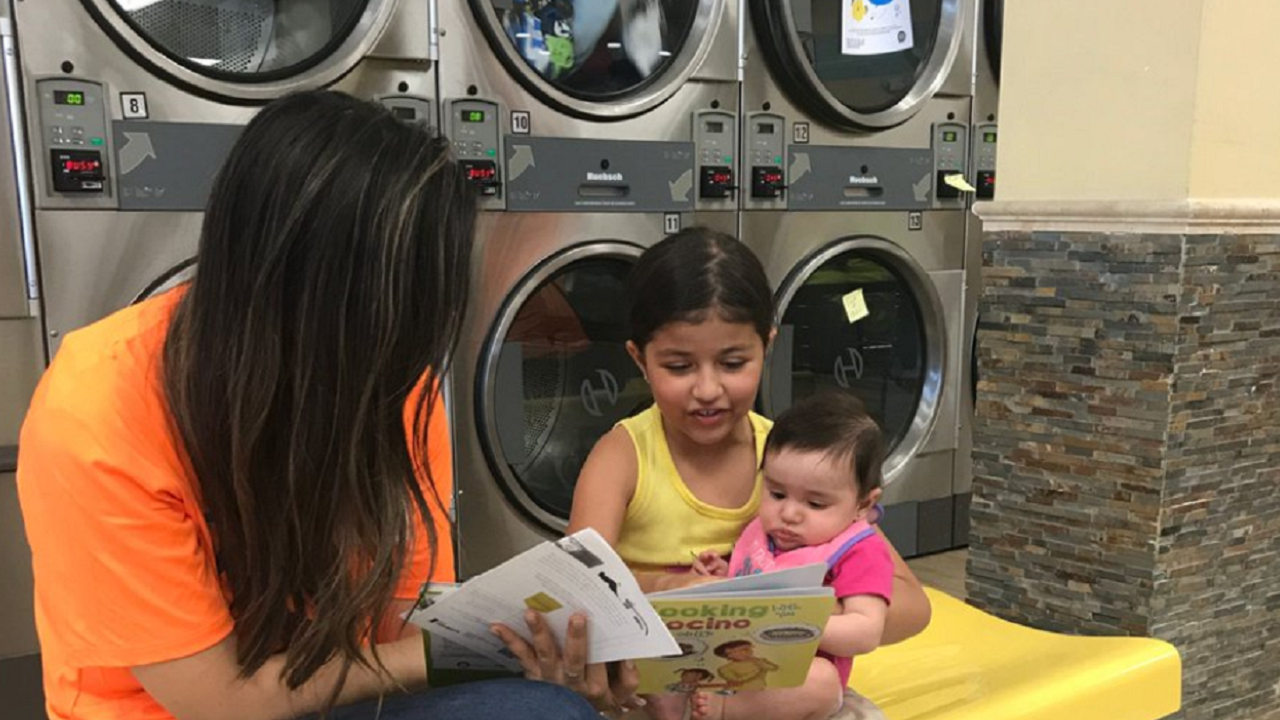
column 556, row 376
column 861, row 316
column 599, row 58
column 244, row 50
column 993, row 33
column 859, row 63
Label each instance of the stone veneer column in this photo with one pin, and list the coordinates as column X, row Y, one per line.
column 1127, row 439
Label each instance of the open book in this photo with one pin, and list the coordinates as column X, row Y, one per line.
column 748, row 633
column 772, row 622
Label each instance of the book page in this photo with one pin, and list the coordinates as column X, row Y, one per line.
column 805, row 576
column 578, row 573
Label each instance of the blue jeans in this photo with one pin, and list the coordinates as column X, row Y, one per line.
column 490, row 700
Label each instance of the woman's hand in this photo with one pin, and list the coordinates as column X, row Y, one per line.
column 609, row 686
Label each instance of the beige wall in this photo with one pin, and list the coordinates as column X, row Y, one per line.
column 1237, row 119
column 1097, row 99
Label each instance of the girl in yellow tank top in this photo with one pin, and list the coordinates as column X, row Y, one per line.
column 683, row 476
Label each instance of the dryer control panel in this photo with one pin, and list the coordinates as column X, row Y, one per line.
column 984, row 161
column 73, row 126
column 715, row 140
column 476, row 142
column 765, row 151
column 411, row 109
column 950, row 152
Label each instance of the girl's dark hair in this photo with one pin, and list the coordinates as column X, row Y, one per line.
column 692, row 273
column 838, row 425
column 332, row 275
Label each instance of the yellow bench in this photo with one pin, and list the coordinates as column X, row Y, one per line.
column 969, row 665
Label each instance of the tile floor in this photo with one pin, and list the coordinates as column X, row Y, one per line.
column 944, row 571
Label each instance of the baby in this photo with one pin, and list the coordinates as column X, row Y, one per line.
column 822, row 478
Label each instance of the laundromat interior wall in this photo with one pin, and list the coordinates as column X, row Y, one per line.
column 1196, row 125
column 1127, row 438
column 1138, row 145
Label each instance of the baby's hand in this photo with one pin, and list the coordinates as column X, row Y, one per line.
column 709, row 562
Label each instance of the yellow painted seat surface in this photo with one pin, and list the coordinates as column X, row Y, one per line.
column 968, row 665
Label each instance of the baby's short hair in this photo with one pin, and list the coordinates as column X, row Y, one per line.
column 838, row 425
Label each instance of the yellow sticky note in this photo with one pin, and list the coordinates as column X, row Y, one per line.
column 957, row 181
column 542, row 603
column 855, row 306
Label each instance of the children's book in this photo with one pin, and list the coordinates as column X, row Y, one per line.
column 749, row 633
column 577, row 573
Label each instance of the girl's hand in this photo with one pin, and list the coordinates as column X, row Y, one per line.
column 609, row 686
column 709, row 563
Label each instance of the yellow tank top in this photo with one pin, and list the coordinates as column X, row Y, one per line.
column 665, row 523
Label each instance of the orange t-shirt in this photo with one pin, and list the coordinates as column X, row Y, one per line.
column 123, row 558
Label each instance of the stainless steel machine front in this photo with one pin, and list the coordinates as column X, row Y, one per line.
column 856, row 132
column 590, row 128
column 131, row 105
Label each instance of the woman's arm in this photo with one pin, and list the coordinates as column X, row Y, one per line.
column 208, row 685
column 910, row 612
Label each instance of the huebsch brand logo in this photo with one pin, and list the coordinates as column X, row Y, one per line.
column 604, row 177
column 864, row 180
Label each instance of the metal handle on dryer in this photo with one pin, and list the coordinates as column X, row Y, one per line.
column 433, row 30
column 18, row 140
column 973, row 360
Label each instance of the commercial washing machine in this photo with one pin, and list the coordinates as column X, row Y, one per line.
column 590, row 128
column 982, row 170
column 131, row 105
column 856, row 144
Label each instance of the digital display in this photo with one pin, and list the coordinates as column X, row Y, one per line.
column 988, row 137
column 80, row 166
column 948, row 136
column 715, row 127
column 771, row 177
column 473, row 116
column 68, row 97
column 765, row 128
column 404, row 113
column 721, row 178
column 480, row 173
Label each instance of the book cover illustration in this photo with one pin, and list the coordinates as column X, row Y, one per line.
column 738, row 641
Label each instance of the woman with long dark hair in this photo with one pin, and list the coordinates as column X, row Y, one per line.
column 233, row 490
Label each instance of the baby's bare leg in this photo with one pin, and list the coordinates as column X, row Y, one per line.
column 817, row 699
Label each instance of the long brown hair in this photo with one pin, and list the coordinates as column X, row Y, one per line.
column 331, row 278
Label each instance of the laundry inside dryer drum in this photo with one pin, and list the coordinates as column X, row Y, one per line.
column 598, row 49
column 563, row 379
column 866, row 73
column 244, row 37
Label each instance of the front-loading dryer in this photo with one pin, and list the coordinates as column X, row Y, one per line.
column 131, row 106
column 856, row 141
column 591, row 128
